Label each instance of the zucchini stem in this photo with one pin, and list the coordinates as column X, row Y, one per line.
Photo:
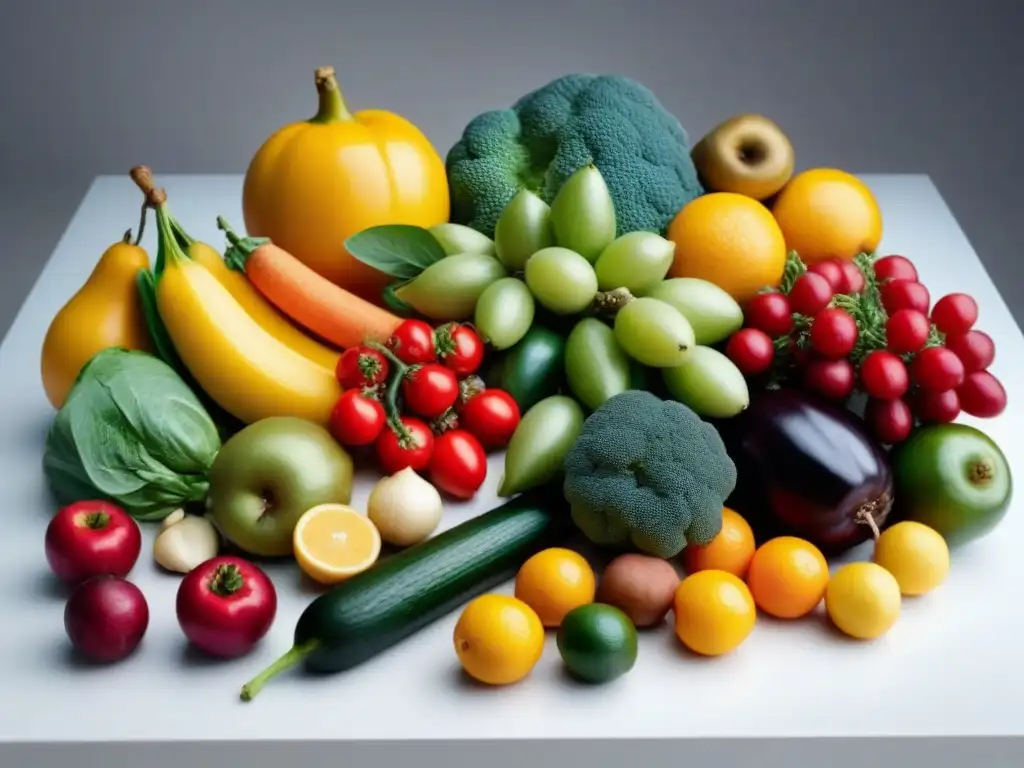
column 295, row 655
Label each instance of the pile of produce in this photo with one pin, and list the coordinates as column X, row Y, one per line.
column 691, row 358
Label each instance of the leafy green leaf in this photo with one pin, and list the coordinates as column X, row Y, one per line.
column 399, row 250
column 395, row 304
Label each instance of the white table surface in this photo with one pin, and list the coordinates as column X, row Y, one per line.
column 939, row 672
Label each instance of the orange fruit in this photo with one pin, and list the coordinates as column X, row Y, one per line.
column 729, row 551
column 714, row 612
column 333, row 542
column 553, row 582
column 730, row 240
column 498, row 639
column 826, row 213
column 787, row 577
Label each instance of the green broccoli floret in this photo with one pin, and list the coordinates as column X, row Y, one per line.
column 640, row 148
column 649, row 473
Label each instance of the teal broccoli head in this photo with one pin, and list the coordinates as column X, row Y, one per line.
column 640, row 148
column 648, row 473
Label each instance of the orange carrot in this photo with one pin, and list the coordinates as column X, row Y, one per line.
column 312, row 301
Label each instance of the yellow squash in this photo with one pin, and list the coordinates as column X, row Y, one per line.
column 105, row 312
column 247, row 371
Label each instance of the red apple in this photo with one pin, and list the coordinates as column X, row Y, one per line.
column 106, row 617
column 226, row 605
column 91, row 538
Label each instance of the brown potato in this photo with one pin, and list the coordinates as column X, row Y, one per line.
column 641, row 586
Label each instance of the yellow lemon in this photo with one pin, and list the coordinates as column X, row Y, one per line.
column 553, row 582
column 333, row 542
column 498, row 639
column 863, row 600
column 915, row 554
column 714, row 612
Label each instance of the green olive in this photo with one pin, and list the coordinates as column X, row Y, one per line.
column 458, row 238
column 635, row 261
column 504, row 312
column 523, row 228
column 709, row 383
column 654, row 333
column 448, row 289
column 596, row 367
column 539, row 445
column 583, row 214
column 561, row 280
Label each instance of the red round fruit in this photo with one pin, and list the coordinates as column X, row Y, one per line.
column 905, row 294
column 408, row 445
column 459, row 348
column 357, row 419
column 833, row 379
column 889, row 421
column 458, row 465
column 937, row 369
column 907, row 331
column 935, row 406
column 413, row 342
column 810, row 294
column 955, row 313
column 832, row 271
column 430, row 390
column 106, row 618
column 92, row 538
column 855, row 281
column 895, row 268
column 975, row 349
column 769, row 313
column 361, row 367
column 833, row 333
column 751, row 351
column 982, row 395
column 491, row 416
column 884, row 376
column 225, row 606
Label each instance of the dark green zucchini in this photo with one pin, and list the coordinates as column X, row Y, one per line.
column 382, row 606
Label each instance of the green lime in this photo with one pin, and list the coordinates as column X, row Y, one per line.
column 597, row 642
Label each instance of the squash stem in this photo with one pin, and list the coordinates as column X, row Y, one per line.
column 239, row 248
column 295, row 655
column 332, row 107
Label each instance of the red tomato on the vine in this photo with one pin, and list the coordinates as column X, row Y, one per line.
column 492, row 416
column 413, row 342
column 356, row 419
column 360, row 367
column 411, row 444
column 458, row 466
column 430, row 390
column 459, row 348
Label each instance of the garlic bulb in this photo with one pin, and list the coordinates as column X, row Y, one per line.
column 184, row 542
column 405, row 508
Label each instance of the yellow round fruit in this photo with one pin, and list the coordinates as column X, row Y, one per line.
column 825, row 213
column 333, row 542
column 730, row 240
column 553, row 582
column 863, row 600
column 498, row 639
column 714, row 612
column 915, row 554
column 731, row 550
column 787, row 577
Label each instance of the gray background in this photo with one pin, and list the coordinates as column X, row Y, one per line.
column 96, row 86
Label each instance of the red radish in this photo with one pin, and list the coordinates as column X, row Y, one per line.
column 833, row 379
column 458, row 465
column 810, row 294
column 834, row 333
column 491, row 416
column 92, row 538
column 750, row 350
column 982, row 395
column 907, row 331
column 905, row 294
column 895, row 267
column 890, row 421
column 854, row 277
column 955, row 313
column 937, row 369
column 936, row 407
column 770, row 313
column 832, row 271
column 884, row 376
column 975, row 349
column 106, row 618
column 225, row 606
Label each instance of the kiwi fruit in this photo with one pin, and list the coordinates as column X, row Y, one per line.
column 746, row 154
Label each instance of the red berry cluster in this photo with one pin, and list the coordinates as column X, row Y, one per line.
column 838, row 327
column 417, row 401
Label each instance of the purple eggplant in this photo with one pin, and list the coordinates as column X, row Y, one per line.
column 807, row 468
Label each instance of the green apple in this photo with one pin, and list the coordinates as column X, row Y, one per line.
column 268, row 474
